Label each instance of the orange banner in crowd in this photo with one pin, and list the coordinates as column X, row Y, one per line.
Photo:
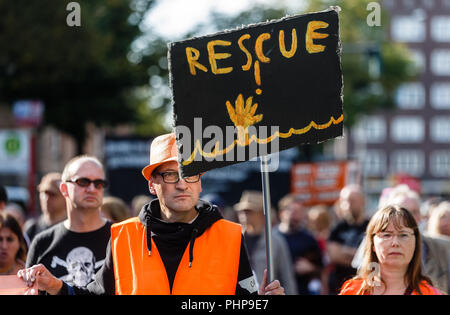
column 321, row 182
column 13, row 285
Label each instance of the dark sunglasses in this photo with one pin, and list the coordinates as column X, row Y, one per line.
column 85, row 182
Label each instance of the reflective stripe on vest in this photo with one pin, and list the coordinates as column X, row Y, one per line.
column 214, row 269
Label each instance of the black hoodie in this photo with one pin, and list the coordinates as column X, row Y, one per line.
column 171, row 240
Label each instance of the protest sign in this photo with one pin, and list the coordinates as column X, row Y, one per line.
column 256, row 90
column 321, row 182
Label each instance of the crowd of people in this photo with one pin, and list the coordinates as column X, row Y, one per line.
column 179, row 242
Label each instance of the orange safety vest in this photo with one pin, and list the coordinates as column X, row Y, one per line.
column 355, row 287
column 214, row 269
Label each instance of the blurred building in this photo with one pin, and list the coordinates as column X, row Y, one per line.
column 412, row 141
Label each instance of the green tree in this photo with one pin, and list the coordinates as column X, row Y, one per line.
column 81, row 73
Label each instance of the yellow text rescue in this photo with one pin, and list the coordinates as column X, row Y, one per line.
column 193, row 54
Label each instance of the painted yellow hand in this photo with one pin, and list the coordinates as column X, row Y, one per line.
column 243, row 117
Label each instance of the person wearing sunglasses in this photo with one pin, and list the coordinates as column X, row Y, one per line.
column 178, row 244
column 74, row 249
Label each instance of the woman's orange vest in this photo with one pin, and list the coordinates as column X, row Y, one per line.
column 355, row 287
column 214, row 269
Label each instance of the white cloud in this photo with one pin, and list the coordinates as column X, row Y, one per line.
column 173, row 18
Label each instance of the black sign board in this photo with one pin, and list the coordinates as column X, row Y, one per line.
column 256, row 90
column 125, row 157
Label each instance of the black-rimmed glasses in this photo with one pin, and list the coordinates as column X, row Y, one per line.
column 174, row 177
column 85, row 182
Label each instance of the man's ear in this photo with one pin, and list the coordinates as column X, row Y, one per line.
column 150, row 187
column 63, row 189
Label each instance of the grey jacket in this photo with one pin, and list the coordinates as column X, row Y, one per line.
column 283, row 268
column 437, row 261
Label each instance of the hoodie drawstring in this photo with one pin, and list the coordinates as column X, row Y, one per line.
column 191, row 246
column 149, row 234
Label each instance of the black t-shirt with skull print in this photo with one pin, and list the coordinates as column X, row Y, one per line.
column 70, row 256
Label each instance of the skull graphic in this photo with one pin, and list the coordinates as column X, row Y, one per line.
column 80, row 266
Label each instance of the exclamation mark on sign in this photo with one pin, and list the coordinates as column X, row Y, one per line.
column 257, row 77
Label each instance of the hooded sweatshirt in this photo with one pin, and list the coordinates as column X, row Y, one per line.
column 171, row 239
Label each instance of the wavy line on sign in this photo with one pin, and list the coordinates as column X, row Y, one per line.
column 198, row 148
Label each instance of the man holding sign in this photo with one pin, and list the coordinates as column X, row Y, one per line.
column 255, row 91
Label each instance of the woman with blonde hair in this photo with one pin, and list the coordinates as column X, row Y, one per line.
column 439, row 222
column 392, row 257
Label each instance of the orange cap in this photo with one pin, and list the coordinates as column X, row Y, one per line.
column 163, row 149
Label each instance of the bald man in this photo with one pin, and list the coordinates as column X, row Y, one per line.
column 346, row 236
column 74, row 249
